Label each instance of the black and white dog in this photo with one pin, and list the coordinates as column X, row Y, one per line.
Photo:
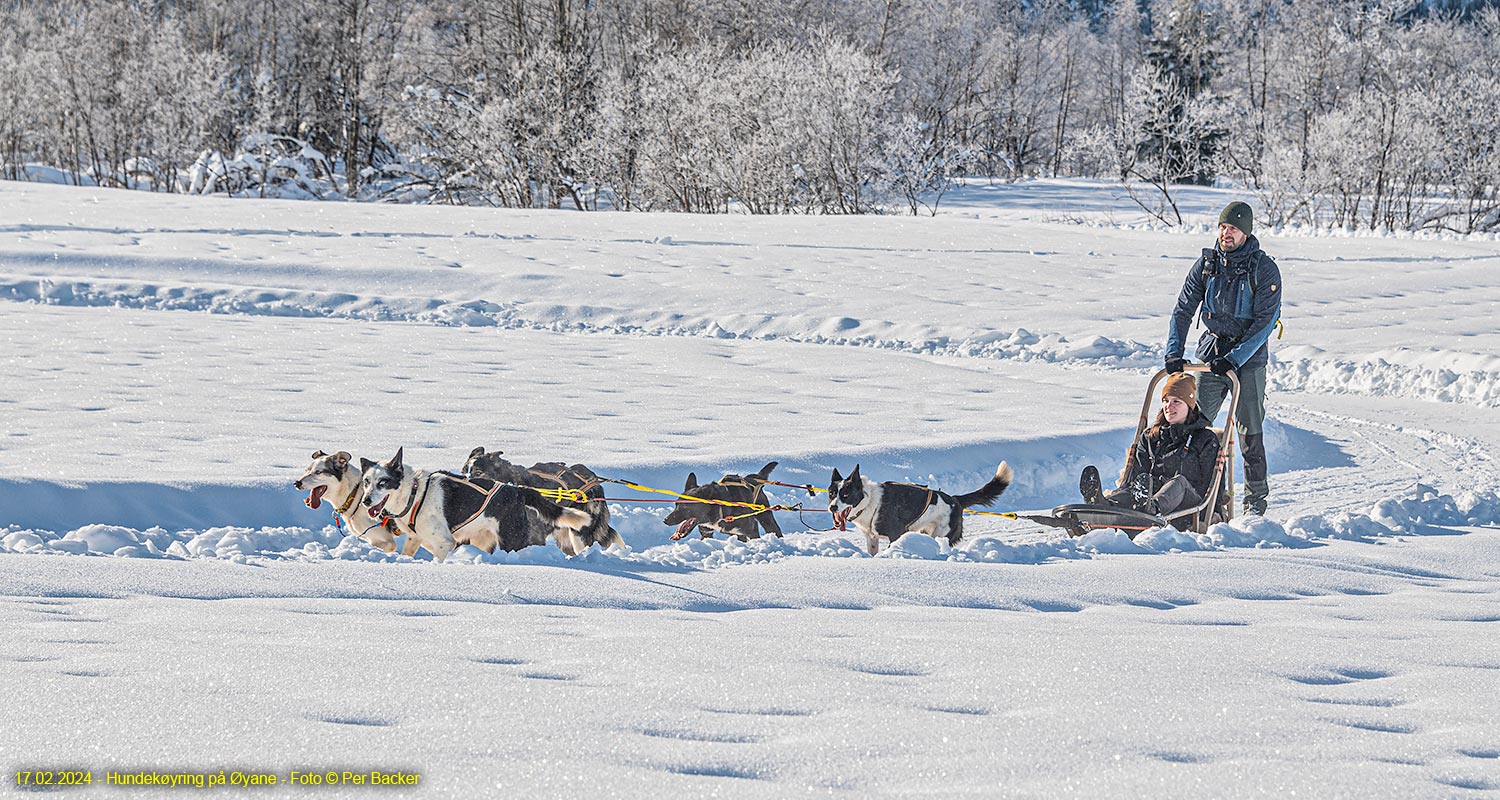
column 333, row 473
column 441, row 510
column 710, row 517
column 892, row 509
column 554, row 475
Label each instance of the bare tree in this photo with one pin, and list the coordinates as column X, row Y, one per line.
column 1346, row 112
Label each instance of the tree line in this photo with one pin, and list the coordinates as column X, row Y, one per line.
column 1348, row 113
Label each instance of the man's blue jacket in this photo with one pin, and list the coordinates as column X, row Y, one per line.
column 1238, row 299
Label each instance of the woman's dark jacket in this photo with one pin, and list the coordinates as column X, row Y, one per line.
column 1165, row 451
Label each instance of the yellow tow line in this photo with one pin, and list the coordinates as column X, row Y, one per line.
column 559, row 495
column 754, row 508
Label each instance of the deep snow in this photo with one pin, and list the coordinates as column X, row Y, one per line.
column 172, row 361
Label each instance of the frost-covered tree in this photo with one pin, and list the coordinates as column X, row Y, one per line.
column 18, row 131
column 765, row 106
column 183, row 98
column 1188, row 38
column 1154, row 139
column 1016, row 91
column 785, row 128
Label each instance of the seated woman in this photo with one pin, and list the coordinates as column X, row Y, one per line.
column 1170, row 465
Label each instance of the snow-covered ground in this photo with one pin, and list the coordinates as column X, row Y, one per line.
column 172, row 605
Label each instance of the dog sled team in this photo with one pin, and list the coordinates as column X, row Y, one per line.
column 494, row 504
column 1178, row 470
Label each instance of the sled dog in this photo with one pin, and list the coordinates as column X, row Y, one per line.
column 441, row 510
column 891, row 509
column 553, row 475
column 332, row 473
column 710, row 517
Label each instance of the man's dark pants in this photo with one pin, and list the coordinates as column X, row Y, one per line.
column 1249, row 419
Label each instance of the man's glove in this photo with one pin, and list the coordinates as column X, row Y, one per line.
column 1221, row 366
column 1176, row 364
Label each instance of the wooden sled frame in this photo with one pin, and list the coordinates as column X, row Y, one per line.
column 1079, row 519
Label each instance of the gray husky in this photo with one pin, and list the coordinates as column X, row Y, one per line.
column 708, row 517
column 892, row 509
column 441, row 510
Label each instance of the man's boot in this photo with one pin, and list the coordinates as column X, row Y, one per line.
column 1255, row 497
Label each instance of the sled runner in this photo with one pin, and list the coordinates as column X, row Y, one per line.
column 1218, row 506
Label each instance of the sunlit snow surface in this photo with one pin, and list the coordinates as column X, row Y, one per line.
column 171, row 605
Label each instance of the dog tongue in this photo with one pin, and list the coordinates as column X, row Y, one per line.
column 841, row 518
column 375, row 509
column 682, row 529
column 315, row 498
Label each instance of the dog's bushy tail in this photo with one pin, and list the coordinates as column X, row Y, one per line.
column 765, row 472
column 990, row 491
column 554, row 514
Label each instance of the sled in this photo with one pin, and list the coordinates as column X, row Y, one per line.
column 1081, row 518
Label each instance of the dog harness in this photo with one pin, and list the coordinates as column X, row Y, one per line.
column 415, row 506
column 343, row 510
column 411, row 503
column 927, row 503
column 758, row 504
column 759, row 495
column 489, row 494
column 338, row 514
column 349, row 502
column 588, row 483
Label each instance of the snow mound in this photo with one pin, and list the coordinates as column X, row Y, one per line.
column 1422, row 505
column 1017, row 345
column 106, row 538
column 996, row 550
column 918, row 546
column 1253, row 531
column 1171, row 540
column 1343, row 525
column 1420, row 510
column 1111, row 542
column 1449, row 377
column 1480, row 508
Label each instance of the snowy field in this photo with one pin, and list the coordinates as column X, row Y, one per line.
column 171, row 605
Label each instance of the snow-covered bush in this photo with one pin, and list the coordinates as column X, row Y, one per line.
column 266, row 165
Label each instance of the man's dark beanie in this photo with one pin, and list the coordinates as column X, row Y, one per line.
column 1239, row 215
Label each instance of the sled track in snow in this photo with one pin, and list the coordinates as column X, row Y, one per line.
column 1370, row 377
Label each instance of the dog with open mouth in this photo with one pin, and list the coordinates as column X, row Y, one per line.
column 709, row 517
column 442, row 510
column 333, row 473
column 889, row 510
column 554, row 475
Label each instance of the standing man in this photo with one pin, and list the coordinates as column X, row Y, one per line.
column 1235, row 288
